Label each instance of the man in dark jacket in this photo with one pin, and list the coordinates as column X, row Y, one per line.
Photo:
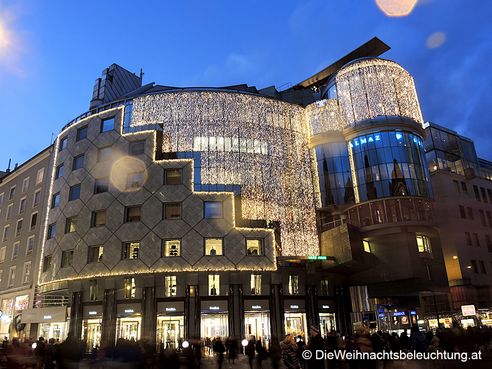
column 315, row 343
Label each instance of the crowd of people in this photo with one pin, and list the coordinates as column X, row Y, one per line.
column 286, row 353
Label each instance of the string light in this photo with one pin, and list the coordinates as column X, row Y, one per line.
column 276, row 180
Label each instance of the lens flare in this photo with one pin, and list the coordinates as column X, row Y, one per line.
column 396, row 8
column 436, row 40
column 128, row 174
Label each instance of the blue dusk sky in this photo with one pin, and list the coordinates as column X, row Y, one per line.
column 52, row 51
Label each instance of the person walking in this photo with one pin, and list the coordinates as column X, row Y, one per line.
column 250, row 351
column 315, row 343
column 219, row 349
column 289, row 353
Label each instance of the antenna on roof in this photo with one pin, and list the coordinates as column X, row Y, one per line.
column 51, row 139
column 141, row 74
column 8, row 168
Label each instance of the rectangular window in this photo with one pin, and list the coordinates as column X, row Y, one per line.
column 212, row 209
column 255, row 284
column 93, row 290
column 171, row 248
column 468, row 238
column 18, row 227
column 6, row 232
column 130, row 250
column 137, row 148
column 22, row 205
column 130, row 288
column 464, row 188
column 55, row 200
column 325, row 287
column 9, row 211
column 37, row 198
column 482, row 267
column 67, row 258
column 488, row 242
column 366, row 246
column 170, row 285
column 78, row 162
column 107, row 125
column 423, row 243
column 104, row 154
column 11, row 280
column 172, row 211
column 95, row 254
column 51, row 231
column 429, row 272
column 134, row 181
column 1, row 277
column 101, row 185
column 46, row 263
column 482, row 218
column 476, row 239
column 477, row 194
column 82, row 133
column 133, row 213
column 74, row 193
column 63, row 143
column 213, row 284
column 26, row 275
column 254, row 247
column 25, row 185
column 39, row 176
column 59, row 171
column 484, row 195
column 470, row 213
column 213, row 246
column 489, row 194
column 457, row 185
column 34, row 220
column 71, row 225
column 474, row 266
column 98, row 218
column 293, row 284
column 489, row 218
column 172, row 177
column 12, row 192
column 15, row 250
column 462, row 212
column 1, row 198
column 30, row 245
column 3, row 254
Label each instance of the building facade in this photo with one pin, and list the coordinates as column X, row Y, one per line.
column 22, row 210
column 463, row 193
column 173, row 213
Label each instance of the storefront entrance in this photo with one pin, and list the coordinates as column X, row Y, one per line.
column 170, row 331
column 257, row 324
column 214, row 325
column 58, row 330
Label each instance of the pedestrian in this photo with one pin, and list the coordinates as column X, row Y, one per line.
column 315, row 343
column 219, row 349
column 250, row 351
column 262, row 353
column 289, row 353
column 275, row 352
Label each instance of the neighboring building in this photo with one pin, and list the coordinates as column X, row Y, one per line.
column 22, row 210
column 201, row 212
column 463, row 191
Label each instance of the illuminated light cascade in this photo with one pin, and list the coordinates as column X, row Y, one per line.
column 369, row 88
column 277, row 186
column 324, row 116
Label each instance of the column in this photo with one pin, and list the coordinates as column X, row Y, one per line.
column 343, row 309
column 277, row 310
column 312, row 308
column 236, row 311
column 149, row 309
column 192, row 312
column 76, row 312
column 108, row 333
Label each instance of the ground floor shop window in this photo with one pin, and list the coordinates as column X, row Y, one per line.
column 129, row 328
column 170, row 331
column 214, row 325
column 327, row 323
column 91, row 333
column 295, row 323
column 58, row 331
